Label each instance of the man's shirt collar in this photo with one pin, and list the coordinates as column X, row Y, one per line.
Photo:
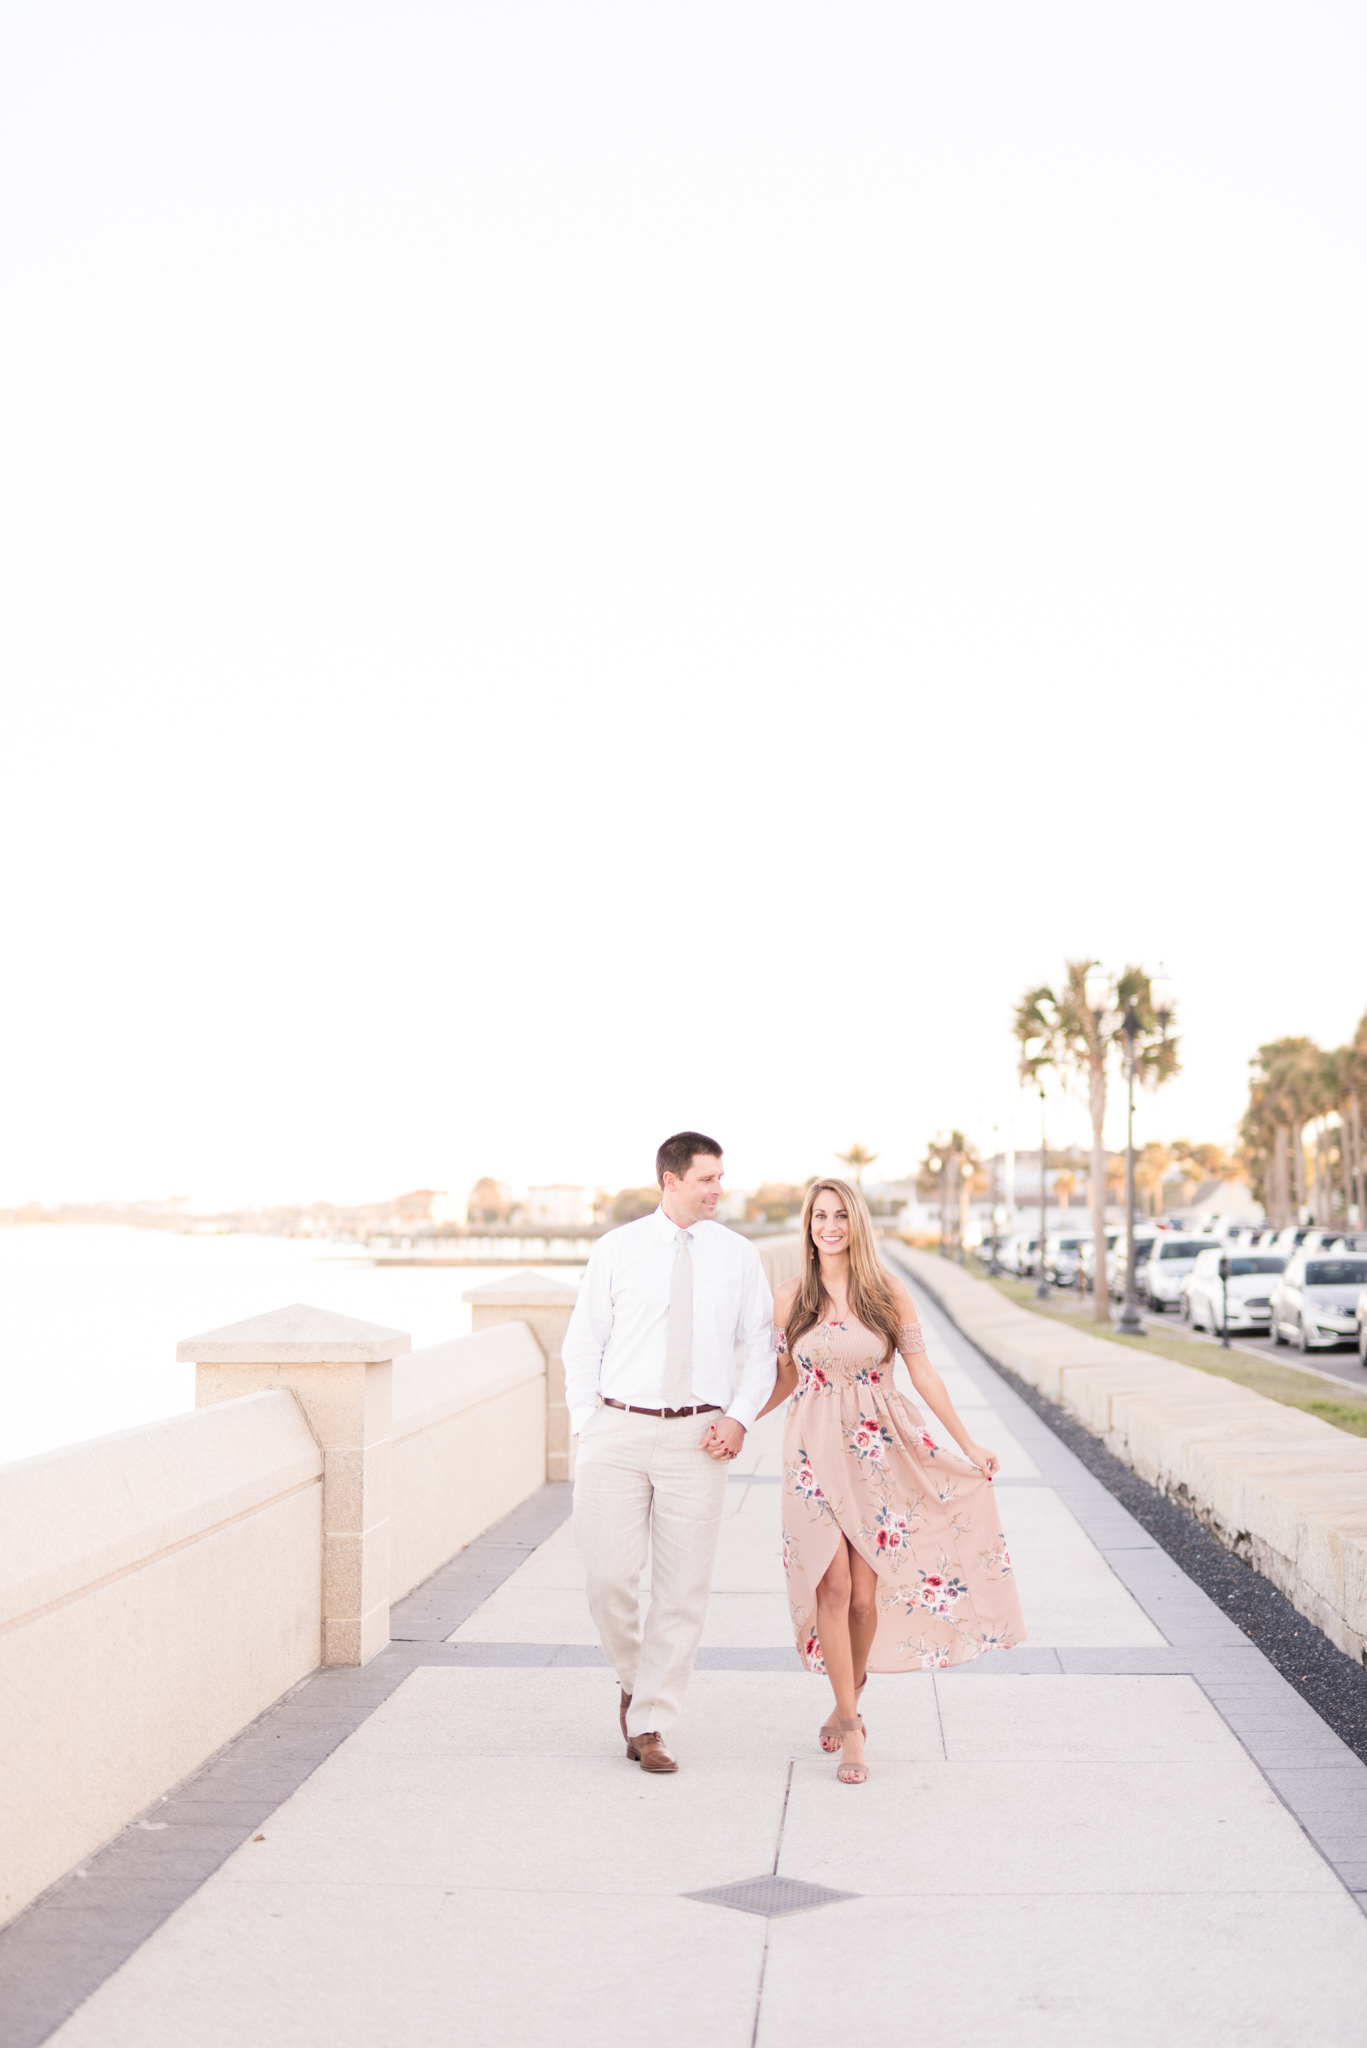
column 671, row 1230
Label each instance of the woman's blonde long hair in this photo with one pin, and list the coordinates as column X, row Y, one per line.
column 871, row 1296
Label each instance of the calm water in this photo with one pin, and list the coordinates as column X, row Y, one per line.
column 92, row 1317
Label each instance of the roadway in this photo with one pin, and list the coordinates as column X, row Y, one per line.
column 1342, row 1363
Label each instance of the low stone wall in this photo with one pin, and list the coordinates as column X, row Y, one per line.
column 469, row 1437
column 158, row 1590
column 781, row 1258
column 161, row 1588
column 1283, row 1489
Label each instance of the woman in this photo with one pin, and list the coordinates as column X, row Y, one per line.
column 892, row 1547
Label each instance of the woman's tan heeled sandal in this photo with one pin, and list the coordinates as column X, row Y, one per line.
column 829, row 1733
column 848, row 1773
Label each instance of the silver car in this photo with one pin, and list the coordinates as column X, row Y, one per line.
column 1314, row 1304
column 1171, row 1260
column 1117, row 1257
column 1246, row 1294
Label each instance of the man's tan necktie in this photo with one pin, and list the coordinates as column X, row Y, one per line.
column 678, row 1389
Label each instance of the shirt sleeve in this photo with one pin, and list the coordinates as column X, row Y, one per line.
column 587, row 1336
column 755, row 1330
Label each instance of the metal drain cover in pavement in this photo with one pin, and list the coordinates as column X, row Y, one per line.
column 771, row 1895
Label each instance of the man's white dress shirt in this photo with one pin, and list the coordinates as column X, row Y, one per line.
column 616, row 1341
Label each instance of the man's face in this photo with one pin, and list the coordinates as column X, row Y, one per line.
column 696, row 1196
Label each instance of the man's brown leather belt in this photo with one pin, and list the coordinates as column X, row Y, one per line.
column 668, row 1414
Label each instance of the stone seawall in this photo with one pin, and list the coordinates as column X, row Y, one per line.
column 1285, row 1490
column 158, row 1590
column 161, row 1588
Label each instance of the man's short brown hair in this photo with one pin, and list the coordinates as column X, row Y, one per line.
column 677, row 1154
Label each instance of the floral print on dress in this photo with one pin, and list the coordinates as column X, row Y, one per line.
column 868, row 1439
column 940, row 1591
column 800, row 1475
column 859, row 1461
column 889, row 1533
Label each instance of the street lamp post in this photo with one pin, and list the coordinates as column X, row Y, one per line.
column 1043, row 1291
column 1225, row 1265
column 1099, row 995
column 1130, row 1321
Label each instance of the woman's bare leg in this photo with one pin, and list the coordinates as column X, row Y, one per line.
column 833, row 1629
column 863, row 1611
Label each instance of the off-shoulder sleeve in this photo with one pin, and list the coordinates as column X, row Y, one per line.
column 910, row 1340
column 780, row 1341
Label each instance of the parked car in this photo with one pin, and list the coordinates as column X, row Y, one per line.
column 1063, row 1256
column 1361, row 1312
column 1247, row 1290
column 1292, row 1238
column 1171, row 1259
column 1088, row 1255
column 1018, row 1253
column 1241, row 1234
column 1315, row 1303
column 1144, row 1235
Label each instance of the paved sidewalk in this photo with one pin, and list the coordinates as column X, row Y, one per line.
column 1123, row 1833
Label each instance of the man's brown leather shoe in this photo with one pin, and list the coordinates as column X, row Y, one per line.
column 650, row 1753
column 622, row 1713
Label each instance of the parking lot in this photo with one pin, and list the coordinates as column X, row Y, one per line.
column 1189, row 1288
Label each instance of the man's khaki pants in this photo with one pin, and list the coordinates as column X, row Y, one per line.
column 643, row 1486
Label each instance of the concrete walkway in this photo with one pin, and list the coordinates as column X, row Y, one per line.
column 1085, row 1841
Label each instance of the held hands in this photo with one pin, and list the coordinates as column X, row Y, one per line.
column 986, row 1461
column 723, row 1439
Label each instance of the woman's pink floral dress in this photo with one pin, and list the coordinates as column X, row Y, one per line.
column 858, row 1459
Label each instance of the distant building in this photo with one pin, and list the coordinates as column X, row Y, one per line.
column 1226, row 1201
column 428, row 1205
column 557, row 1208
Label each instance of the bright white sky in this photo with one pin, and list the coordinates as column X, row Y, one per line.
column 572, row 570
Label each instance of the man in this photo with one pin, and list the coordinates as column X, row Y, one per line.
column 650, row 1349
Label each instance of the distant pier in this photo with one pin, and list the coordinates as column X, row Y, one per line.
column 489, row 1246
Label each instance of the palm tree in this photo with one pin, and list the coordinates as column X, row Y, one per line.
column 1149, row 1171
column 952, row 1170
column 1353, row 1070
column 1076, row 1039
column 857, row 1158
column 1286, row 1086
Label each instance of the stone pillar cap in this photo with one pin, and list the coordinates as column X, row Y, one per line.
column 524, row 1290
column 297, row 1335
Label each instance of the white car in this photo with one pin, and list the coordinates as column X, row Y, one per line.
column 1088, row 1253
column 1299, row 1237
column 1172, row 1258
column 1063, row 1254
column 1248, row 1290
column 1315, row 1303
column 1021, row 1254
column 1144, row 1235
